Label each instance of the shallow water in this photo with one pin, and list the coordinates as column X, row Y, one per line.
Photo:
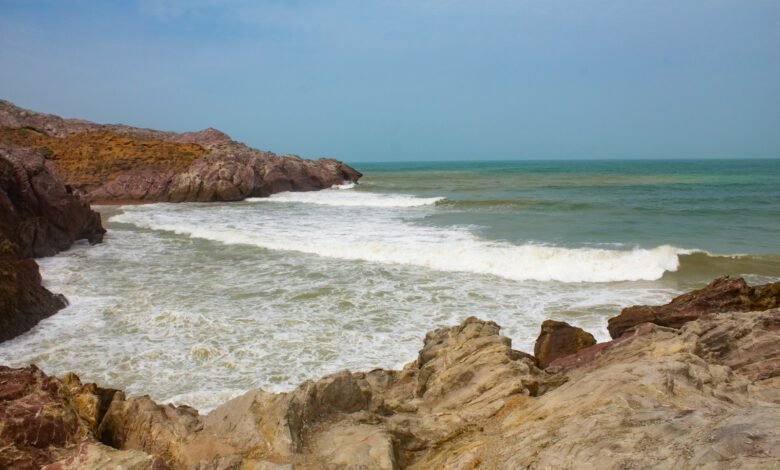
column 195, row 303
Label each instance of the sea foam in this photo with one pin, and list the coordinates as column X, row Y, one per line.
column 389, row 238
column 338, row 197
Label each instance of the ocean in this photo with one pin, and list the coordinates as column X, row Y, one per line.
column 197, row 303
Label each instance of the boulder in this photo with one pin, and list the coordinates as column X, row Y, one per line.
column 23, row 299
column 275, row 174
column 724, row 294
column 559, row 339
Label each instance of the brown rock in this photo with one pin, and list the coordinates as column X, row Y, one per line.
column 38, row 217
column 141, row 424
column 724, row 294
column 212, row 178
column 380, row 419
column 36, row 210
column 559, row 339
column 37, row 423
column 23, row 299
column 705, row 395
column 275, row 174
column 651, row 402
column 94, row 455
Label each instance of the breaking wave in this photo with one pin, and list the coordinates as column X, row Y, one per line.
column 392, row 241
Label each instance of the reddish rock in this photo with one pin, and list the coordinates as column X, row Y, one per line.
column 38, row 217
column 559, row 339
column 37, row 423
column 724, row 294
column 748, row 346
column 134, row 186
column 23, row 300
column 275, row 174
column 588, row 356
column 212, row 178
column 37, row 212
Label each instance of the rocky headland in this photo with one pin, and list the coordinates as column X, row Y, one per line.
column 115, row 163
column 704, row 393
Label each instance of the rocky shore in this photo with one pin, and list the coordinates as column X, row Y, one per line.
column 694, row 383
column 705, row 393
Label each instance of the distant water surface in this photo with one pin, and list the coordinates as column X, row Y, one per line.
column 195, row 303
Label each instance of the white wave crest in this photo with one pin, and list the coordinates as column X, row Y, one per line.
column 337, row 196
column 387, row 240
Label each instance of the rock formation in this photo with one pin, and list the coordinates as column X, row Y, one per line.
column 45, row 423
column 706, row 394
column 38, row 217
column 37, row 212
column 724, row 294
column 117, row 163
column 23, row 300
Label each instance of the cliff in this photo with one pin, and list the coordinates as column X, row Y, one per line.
column 119, row 163
column 705, row 394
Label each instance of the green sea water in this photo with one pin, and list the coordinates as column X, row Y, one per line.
column 726, row 212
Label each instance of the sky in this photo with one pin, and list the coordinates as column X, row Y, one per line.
column 385, row 80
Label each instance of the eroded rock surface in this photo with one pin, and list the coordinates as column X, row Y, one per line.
column 704, row 395
column 379, row 419
column 117, row 163
column 724, row 294
column 52, row 423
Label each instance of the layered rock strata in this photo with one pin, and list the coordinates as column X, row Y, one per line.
column 118, row 163
column 703, row 395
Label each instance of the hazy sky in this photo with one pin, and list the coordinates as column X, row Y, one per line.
column 413, row 79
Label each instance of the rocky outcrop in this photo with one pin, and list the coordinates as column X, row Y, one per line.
column 23, row 299
column 380, row 419
column 559, row 339
column 724, row 294
column 117, row 163
column 659, row 400
column 36, row 210
column 706, row 394
column 38, row 217
column 46, row 422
